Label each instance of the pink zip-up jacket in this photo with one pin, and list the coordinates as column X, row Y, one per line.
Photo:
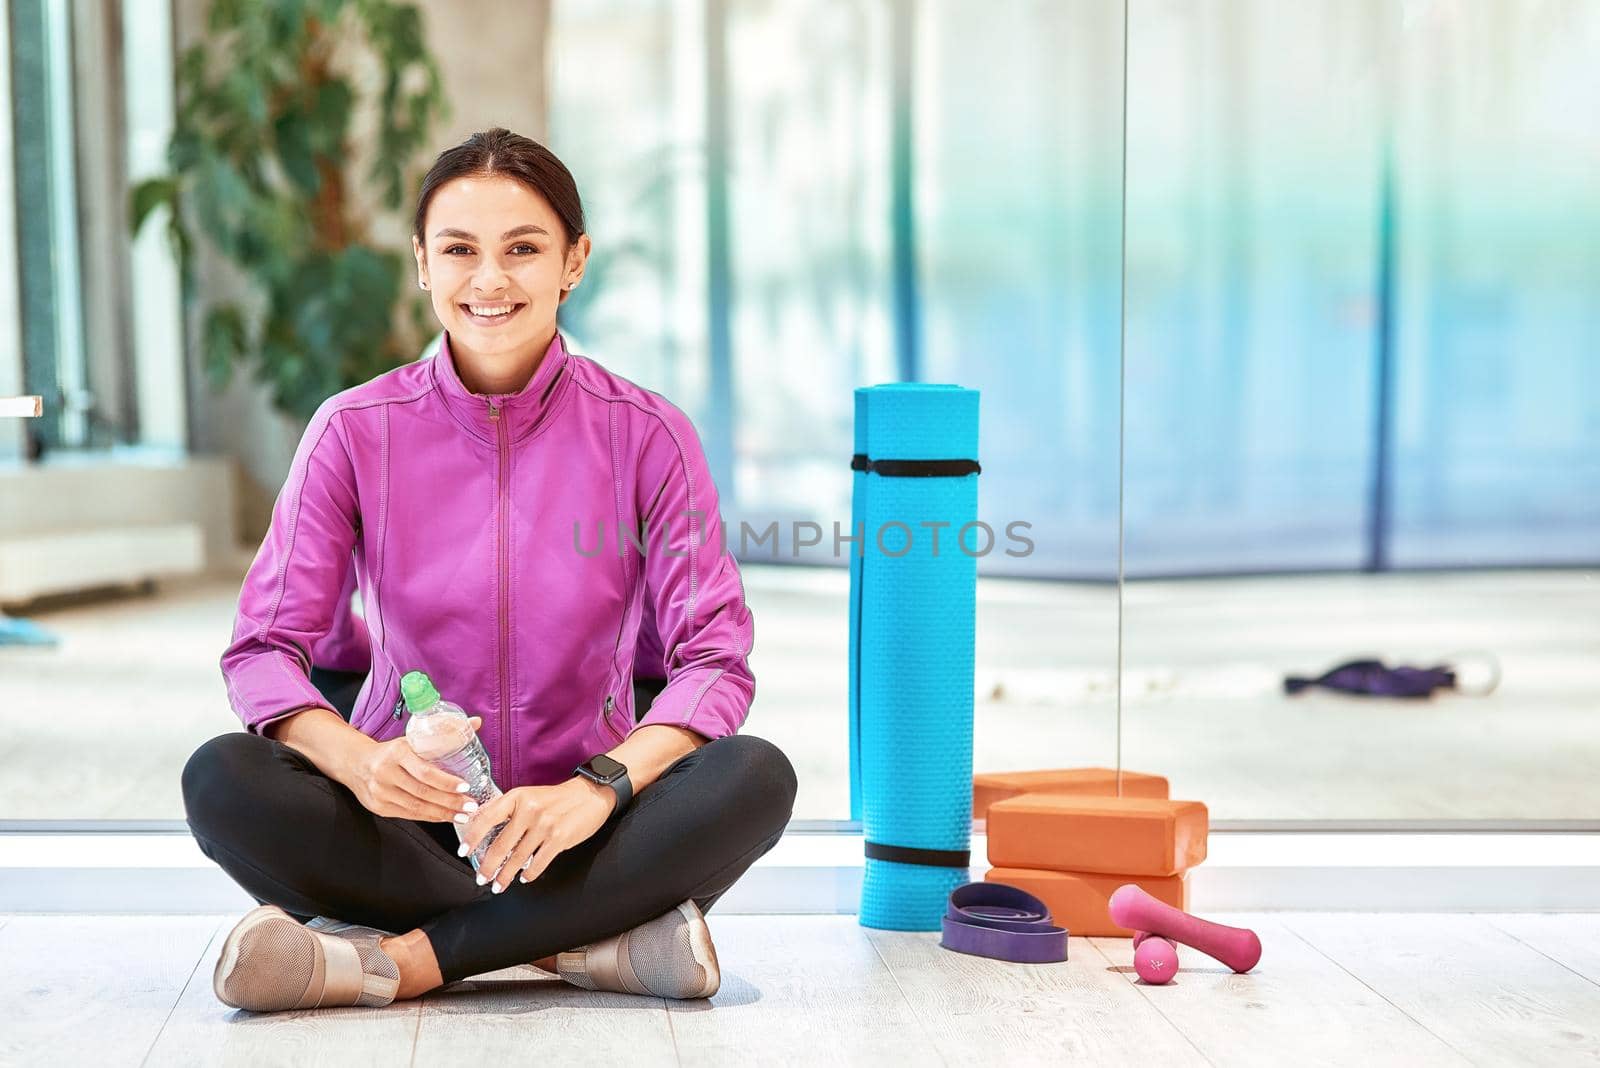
column 488, row 541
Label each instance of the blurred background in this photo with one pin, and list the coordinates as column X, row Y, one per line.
column 1284, row 319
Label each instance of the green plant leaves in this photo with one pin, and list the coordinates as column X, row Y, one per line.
column 146, row 197
column 329, row 118
column 292, row 138
column 224, row 343
column 260, row 165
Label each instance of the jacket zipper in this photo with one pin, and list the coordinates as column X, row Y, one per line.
column 502, row 564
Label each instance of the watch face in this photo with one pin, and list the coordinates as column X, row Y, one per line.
column 605, row 768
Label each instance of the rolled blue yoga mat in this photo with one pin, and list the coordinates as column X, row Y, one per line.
column 912, row 623
column 858, row 503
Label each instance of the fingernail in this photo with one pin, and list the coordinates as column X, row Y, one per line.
column 462, row 817
column 463, row 850
column 481, row 879
column 470, row 806
column 498, row 888
column 461, row 788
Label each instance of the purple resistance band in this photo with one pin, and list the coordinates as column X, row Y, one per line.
column 1003, row 922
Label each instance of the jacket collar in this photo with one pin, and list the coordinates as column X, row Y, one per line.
column 522, row 412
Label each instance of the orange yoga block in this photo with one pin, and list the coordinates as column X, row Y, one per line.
column 1110, row 835
column 1079, row 900
column 991, row 786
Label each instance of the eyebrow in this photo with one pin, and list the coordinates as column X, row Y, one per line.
column 530, row 228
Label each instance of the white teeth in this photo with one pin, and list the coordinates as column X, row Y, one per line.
column 489, row 310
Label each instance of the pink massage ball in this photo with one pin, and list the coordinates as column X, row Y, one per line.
column 1155, row 959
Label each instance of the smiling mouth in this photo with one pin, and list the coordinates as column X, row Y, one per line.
column 490, row 314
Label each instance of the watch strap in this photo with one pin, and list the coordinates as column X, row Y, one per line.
column 621, row 786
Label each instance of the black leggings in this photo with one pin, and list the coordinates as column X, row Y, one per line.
column 292, row 837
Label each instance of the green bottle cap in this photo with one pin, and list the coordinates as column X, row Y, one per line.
column 418, row 691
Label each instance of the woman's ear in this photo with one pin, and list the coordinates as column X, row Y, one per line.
column 577, row 261
column 422, row 262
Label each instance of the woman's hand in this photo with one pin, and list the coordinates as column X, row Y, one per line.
column 540, row 822
column 390, row 779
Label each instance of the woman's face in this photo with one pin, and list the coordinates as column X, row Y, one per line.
column 496, row 266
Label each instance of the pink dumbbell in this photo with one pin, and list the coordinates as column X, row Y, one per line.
column 1154, row 958
column 1236, row 947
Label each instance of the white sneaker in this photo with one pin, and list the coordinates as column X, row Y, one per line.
column 671, row 956
column 270, row 961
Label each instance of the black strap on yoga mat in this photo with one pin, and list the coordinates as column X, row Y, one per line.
column 914, row 468
column 932, row 858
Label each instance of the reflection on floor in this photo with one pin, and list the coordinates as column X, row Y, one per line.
column 108, row 717
column 1331, row 989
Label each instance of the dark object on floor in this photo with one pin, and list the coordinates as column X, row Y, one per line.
column 1004, row 922
column 1371, row 678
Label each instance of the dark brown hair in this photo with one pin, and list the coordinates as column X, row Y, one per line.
column 499, row 151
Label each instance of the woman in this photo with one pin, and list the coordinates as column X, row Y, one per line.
column 480, row 495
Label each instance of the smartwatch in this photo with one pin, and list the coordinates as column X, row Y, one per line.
column 608, row 772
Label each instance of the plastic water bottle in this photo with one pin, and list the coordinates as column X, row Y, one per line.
column 439, row 732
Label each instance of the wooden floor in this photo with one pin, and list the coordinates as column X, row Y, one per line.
column 1337, row 989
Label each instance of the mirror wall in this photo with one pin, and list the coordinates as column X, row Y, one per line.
column 1363, row 406
column 1361, row 388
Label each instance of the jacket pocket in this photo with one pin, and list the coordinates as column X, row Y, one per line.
column 618, row 692
column 610, row 709
column 389, row 710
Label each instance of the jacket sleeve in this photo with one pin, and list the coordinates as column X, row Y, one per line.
column 348, row 646
column 288, row 602
column 693, row 587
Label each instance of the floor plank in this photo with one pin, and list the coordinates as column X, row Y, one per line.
column 92, row 989
column 204, row 1031
column 1296, row 1005
column 523, row 1015
column 795, row 990
column 981, row 1011
column 1491, row 997
column 1571, row 939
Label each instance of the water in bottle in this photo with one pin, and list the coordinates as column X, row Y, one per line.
column 439, row 732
